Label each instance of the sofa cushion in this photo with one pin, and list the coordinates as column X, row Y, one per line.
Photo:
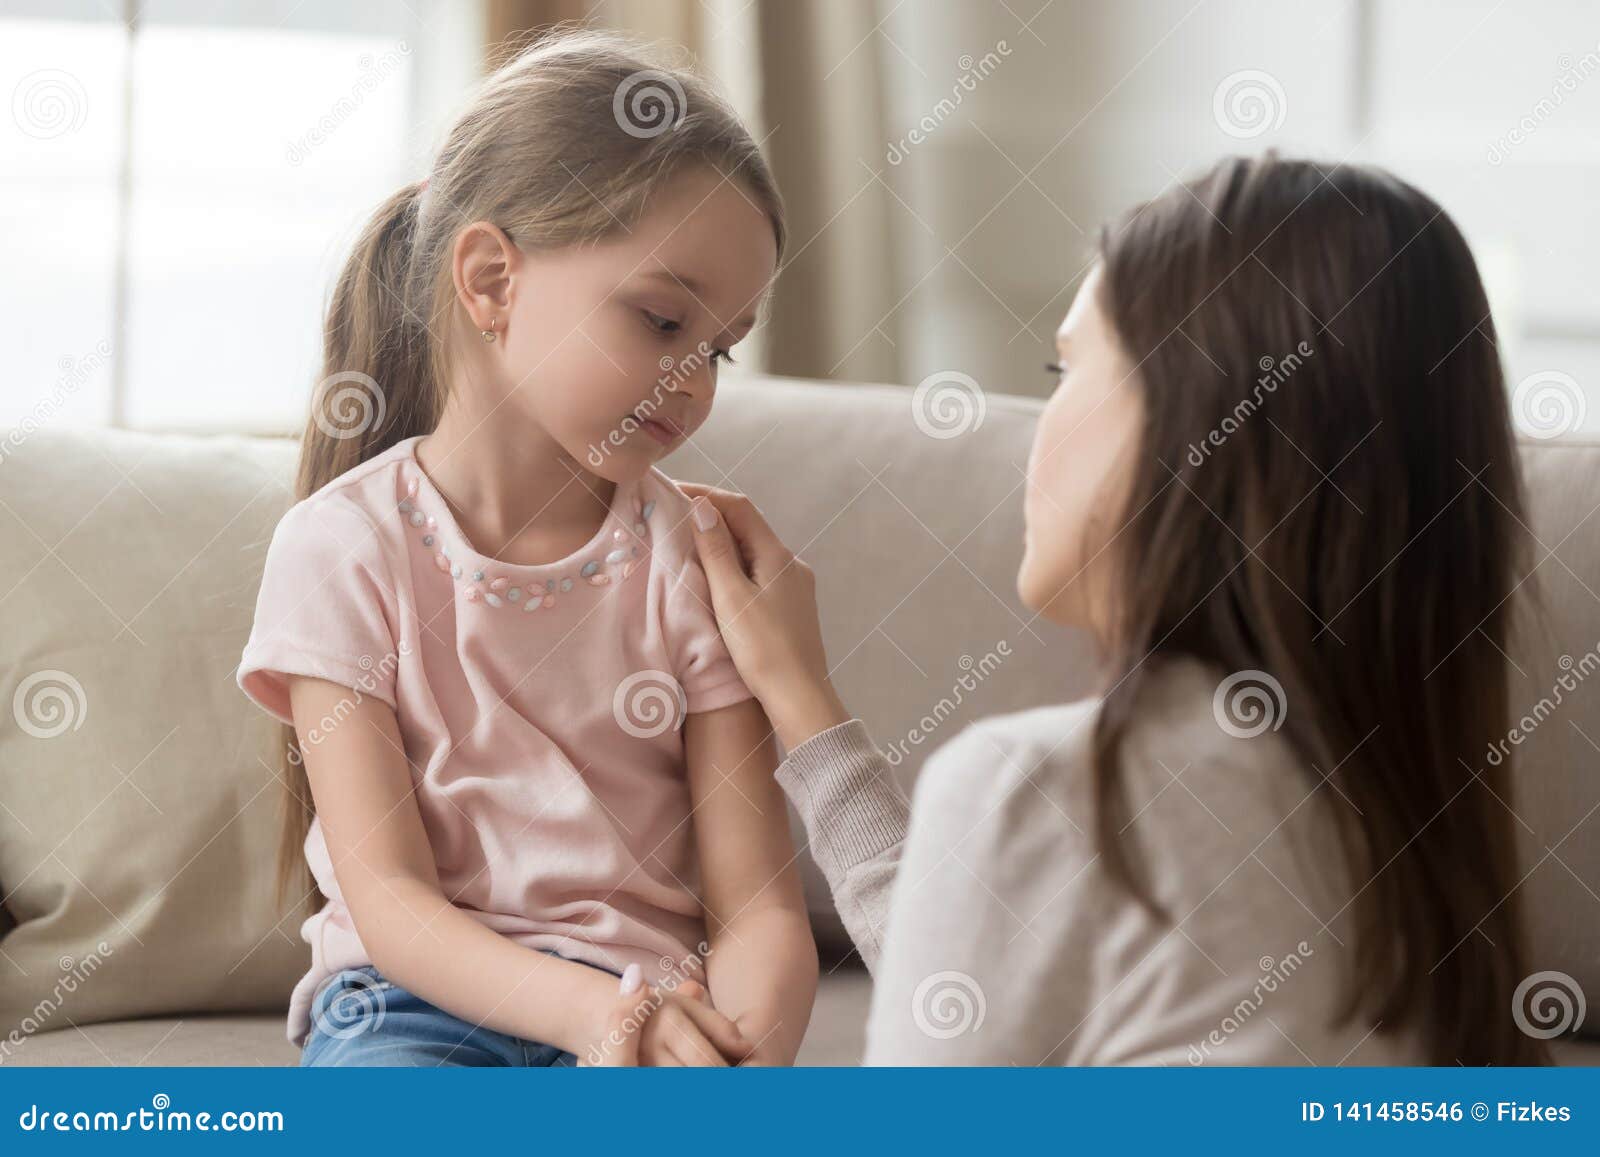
column 140, row 792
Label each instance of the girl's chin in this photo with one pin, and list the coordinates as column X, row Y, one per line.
column 624, row 458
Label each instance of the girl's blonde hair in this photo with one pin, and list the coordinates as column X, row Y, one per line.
column 563, row 144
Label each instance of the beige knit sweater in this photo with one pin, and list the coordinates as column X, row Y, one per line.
column 995, row 935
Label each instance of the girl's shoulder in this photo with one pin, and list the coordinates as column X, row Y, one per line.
column 353, row 514
column 376, row 484
column 665, row 507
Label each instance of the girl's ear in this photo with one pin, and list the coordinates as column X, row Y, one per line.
column 483, row 266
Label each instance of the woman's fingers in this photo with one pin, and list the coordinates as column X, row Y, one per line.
column 759, row 542
column 721, row 560
column 765, row 601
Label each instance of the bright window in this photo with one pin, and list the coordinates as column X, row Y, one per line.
column 176, row 197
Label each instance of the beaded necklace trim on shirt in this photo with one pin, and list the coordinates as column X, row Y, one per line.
column 496, row 590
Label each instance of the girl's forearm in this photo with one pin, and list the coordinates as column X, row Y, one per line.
column 428, row 946
column 762, row 973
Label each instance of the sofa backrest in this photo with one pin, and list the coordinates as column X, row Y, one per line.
column 141, row 800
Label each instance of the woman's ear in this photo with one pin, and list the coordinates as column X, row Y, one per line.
column 484, row 266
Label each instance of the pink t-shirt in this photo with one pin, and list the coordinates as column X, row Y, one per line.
column 540, row 707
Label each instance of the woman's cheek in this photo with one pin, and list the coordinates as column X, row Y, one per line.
column 1048, row 518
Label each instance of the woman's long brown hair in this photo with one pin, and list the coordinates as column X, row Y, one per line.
column 1355, row 530
column 571, row 102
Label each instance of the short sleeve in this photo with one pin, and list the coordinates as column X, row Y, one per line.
column 700, row 659
column 323, row 609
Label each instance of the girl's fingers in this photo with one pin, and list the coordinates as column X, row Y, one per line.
column 690, row 1046
column 621, row 1047
column 625, row 1022
column 722, row 1033
column 618, row 1047
column 632, row 980
column 694, row 990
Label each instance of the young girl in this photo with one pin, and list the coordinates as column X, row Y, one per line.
column 532, row 766
column 1277, row 484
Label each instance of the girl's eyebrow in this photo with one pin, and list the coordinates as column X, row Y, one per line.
column 682, row 279
column 697, row 289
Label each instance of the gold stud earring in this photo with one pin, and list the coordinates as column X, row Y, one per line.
column 488, row 334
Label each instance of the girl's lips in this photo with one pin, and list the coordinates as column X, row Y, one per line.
column 661, row 429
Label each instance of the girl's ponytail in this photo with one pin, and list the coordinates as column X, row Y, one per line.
column 376, row 389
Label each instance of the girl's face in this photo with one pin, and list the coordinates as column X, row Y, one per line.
column 611, row 349
column 1079, row 468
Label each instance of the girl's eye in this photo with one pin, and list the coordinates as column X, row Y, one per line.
column 660, row 324
column 724, row 356
column 1058, row 369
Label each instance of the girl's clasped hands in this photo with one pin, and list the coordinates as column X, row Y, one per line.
column 663, row 1027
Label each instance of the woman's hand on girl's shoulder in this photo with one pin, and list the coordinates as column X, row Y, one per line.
column 765, row 599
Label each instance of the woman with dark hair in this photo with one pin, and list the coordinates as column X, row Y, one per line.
column 1277, row 484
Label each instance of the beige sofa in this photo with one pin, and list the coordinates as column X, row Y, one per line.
column 138, row 790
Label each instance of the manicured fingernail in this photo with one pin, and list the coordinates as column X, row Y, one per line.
column 632, row 979
column 705, row 515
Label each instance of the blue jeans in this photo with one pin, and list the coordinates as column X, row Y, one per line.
column 360, row 1019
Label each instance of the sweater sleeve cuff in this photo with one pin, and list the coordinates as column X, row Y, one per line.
column 841, row 785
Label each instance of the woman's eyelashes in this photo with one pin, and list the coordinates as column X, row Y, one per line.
column 1058, row 369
